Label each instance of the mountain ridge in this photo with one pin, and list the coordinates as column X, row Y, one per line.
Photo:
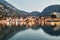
column 16, row 12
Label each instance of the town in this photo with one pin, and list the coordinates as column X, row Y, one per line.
column 31, row 19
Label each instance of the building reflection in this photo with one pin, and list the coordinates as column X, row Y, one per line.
column 30, row 23
column 14, row 26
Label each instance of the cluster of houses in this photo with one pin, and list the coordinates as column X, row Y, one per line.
column 54, row 16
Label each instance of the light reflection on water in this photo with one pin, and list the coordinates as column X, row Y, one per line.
column 30, row 30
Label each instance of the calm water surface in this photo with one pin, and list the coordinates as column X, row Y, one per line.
column 31, row 31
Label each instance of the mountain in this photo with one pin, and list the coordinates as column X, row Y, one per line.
column 7, row 4
column 35, row 13
column 48, row 10
column 11, row 11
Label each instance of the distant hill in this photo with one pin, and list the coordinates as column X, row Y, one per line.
column 52, row 8
column 35, row 13
column 47, row 11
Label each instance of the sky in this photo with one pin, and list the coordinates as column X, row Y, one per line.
column 32, row 5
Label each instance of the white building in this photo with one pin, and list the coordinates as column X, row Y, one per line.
column 57, row 14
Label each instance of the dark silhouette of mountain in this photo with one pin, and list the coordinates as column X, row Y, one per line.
column 35, row 13
column 48, row 10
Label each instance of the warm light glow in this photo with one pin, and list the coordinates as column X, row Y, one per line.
column 52, row 23
column 29, row 21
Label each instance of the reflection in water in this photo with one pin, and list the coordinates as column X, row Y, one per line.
column 56, row 25
column 30, row 24
column 9, row 28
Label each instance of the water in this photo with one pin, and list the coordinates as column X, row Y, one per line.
column 47, row 31
column 30, row 34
